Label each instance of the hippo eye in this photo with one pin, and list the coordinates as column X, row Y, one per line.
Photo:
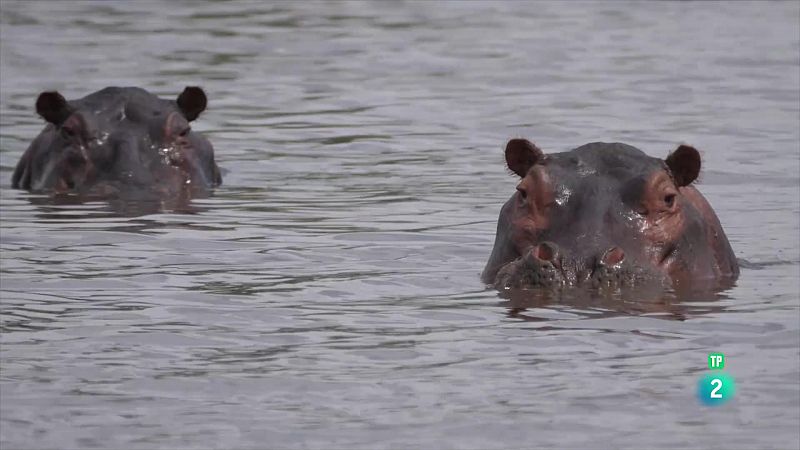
column 669, row 200
column 522, row 193
column 185, row 132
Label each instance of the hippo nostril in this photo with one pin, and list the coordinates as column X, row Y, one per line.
column 613, row 256
column 546, row 251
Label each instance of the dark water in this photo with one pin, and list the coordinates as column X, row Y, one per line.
column 327, row 295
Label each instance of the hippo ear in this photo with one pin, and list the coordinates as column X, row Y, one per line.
column 684, row 164
column 521, row 155
column 53, row 107
column 192, row 102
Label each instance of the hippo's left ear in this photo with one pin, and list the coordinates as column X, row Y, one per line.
column 521, row 155
column 53, row 107
column 192, row 102
column 684, row 165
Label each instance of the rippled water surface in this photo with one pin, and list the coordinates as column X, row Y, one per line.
column 327, row 295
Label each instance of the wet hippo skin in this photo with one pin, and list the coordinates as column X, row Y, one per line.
column 607, row 214
column 119, row 142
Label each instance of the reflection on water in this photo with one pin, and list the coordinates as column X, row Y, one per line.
column 649, row 301
column 75, row 206
column 327, row 294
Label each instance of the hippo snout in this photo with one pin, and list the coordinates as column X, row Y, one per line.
column 540, row 266
column 547, row 265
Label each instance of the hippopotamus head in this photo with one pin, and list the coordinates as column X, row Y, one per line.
column 119, row 141
column 606, row 215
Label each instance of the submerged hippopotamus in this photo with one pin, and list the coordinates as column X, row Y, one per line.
column 118, row 142
column 607, row 215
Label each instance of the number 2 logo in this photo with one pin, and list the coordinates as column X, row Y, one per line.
column 718, row 383
column 716, row 388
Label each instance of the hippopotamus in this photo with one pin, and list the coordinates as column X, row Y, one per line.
column 117, row 142
column 607, row 215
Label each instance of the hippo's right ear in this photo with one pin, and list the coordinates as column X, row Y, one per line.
column 53, row 107
column 521, row 155
column 684, row 165
column 192, row 102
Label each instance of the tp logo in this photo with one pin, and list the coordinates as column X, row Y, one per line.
column 717, row 387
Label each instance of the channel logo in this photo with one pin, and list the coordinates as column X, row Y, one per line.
column 717, row 387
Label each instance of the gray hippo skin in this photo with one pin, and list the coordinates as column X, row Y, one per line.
column 607, row 215
column 119, row 142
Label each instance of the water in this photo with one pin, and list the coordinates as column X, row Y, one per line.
column 327, row 295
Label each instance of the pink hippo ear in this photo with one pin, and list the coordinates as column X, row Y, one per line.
column 192, row 102
column 684, row 165
column 53, row 107
column 521, row 155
